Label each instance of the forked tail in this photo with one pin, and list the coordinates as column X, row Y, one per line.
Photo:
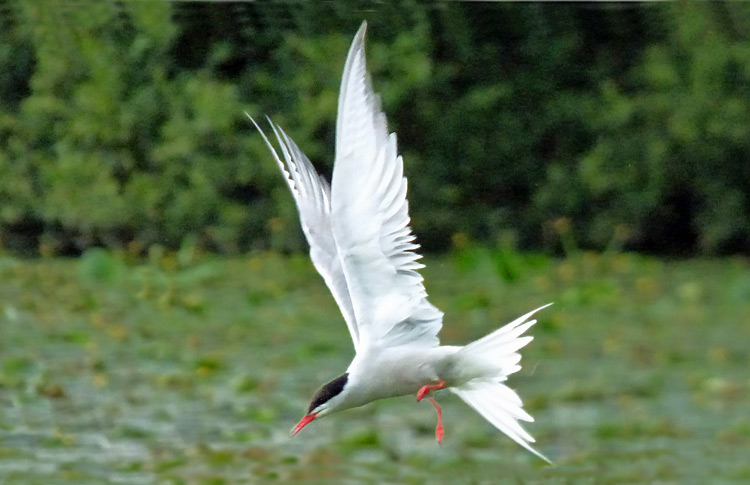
column 495, row 401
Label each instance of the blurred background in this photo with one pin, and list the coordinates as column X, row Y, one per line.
column 160, row 321
column 122, row 123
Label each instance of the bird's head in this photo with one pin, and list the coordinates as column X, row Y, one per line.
column 326, row 400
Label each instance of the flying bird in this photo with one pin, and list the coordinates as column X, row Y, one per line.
column 363, row 247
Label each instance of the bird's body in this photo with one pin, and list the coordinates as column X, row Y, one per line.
column 401, row 371
column 362, row 245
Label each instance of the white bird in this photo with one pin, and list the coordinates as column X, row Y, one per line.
column 361, row 243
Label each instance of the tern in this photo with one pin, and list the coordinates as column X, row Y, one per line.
column 362, row 245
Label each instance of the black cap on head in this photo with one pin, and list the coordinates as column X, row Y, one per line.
column 328, row 391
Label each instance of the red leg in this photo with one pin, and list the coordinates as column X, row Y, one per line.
column 439, row 430
column 429, row 387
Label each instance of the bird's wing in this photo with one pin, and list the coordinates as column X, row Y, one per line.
column 313, row 197
column 370, row 219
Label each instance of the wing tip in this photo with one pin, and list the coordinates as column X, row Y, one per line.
column 361, row 31
column 358, row 43
column 253, row 121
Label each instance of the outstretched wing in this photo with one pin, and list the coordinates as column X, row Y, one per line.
column 370, row 219
column 313, row 197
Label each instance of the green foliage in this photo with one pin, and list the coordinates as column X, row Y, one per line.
column 671, row 157
column 109, row 373
column 122, row 125
column 99, row 266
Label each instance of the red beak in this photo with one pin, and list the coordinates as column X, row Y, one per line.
column 304, row 422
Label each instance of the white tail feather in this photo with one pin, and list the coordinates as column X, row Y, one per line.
column 496, row 402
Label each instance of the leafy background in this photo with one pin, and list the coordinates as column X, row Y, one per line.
column 192, row 369
column 122, row 124
column 160, row 322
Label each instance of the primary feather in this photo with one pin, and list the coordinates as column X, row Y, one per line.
column 370, row 219
column 313, row 197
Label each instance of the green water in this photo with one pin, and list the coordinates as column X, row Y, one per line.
column 193, row 370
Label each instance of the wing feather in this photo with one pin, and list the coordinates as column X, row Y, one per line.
column 358, row 229
column 312, row 195
column 370, row 219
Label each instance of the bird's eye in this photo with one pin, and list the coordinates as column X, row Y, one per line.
column 328, row 391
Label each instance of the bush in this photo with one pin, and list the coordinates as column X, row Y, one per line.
column 122, row 125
